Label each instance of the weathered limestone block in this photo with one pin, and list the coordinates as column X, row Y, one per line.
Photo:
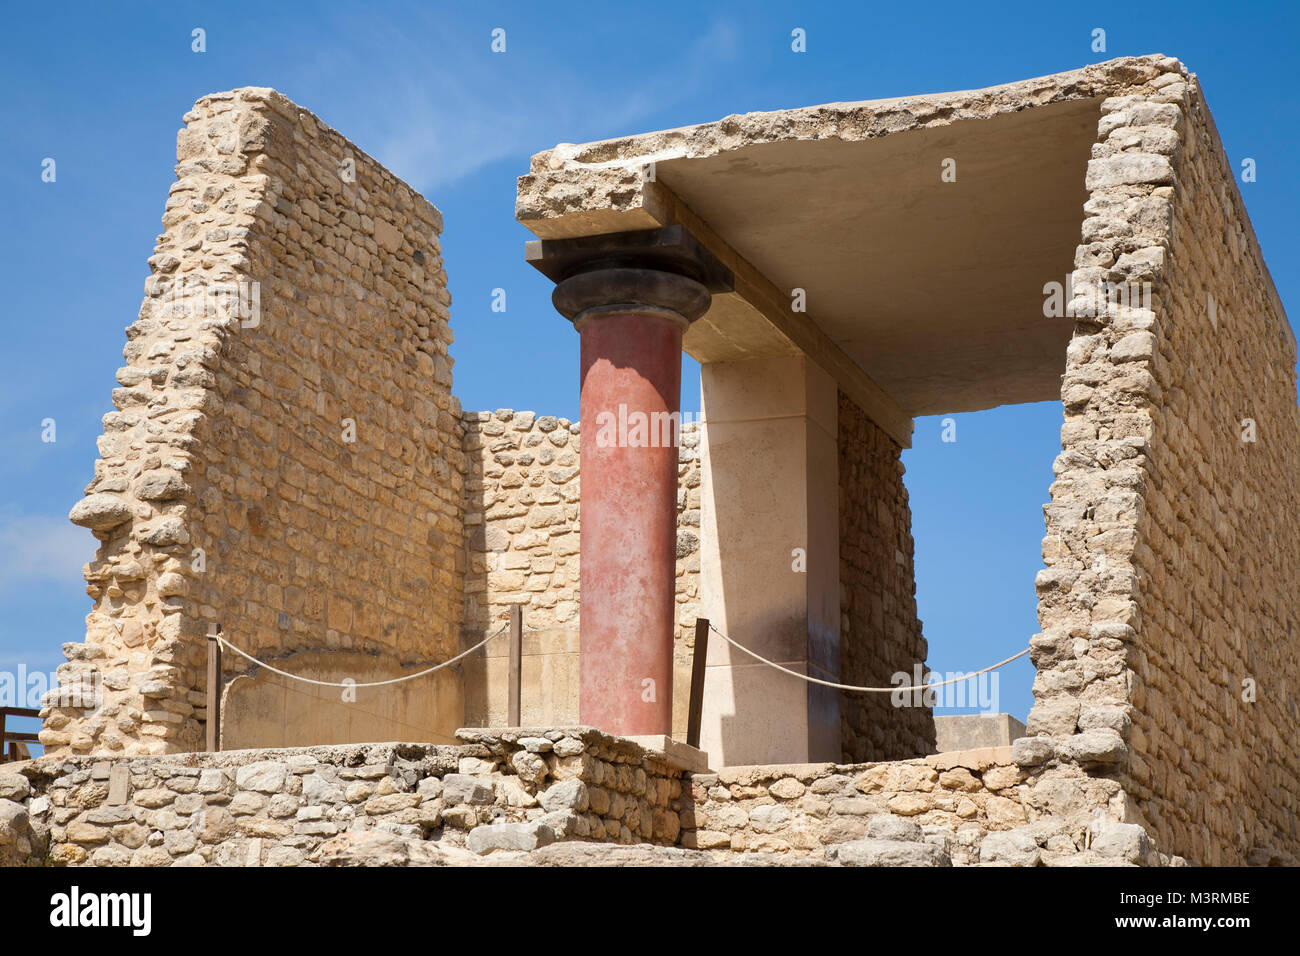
column 565, row 795
column 101, row 512
column 510, row 836
column 1010, row 848
column 887, row 853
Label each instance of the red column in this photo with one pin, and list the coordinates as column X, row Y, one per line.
column 631, row 296
column 631, row 387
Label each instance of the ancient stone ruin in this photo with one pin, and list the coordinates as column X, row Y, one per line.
column 286, row 459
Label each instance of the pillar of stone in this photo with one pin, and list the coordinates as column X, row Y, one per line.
column 770, row 560
column 630, row 296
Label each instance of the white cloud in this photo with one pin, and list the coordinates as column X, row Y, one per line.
column 462, row 109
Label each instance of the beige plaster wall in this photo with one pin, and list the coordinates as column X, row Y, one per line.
column 770, row 560
column 263, row 709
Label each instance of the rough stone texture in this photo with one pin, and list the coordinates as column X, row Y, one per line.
column 509, row 836
column 521, row 519
column 966, row 808
column 22, row 843
column 283, row 807
column 230, row 431
column 603, row 183
column 1163, row 590
column 386, row 849
column 522, row 492
column 596, row 799
column 1088, row 591
column 1169, row 549
column 1215, row 777
column 887, row 853
column 880, row 633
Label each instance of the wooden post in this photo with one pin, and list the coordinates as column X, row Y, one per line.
column 214, row 690
column 696, row 710
column 516, row 663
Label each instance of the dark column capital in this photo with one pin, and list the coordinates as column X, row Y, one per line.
column 664, row 270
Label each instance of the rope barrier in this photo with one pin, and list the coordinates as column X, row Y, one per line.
column 712, row 627
column 866, row 690
column 377, row 683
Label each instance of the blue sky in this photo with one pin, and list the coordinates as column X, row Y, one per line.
column 101, row 89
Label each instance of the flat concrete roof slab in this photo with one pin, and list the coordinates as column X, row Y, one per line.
column 933, row 289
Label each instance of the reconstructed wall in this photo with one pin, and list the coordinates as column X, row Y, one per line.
column 285, row 455
column 1089, row 591
column 1171, row 542
column 502, row 794
column 522, row 534
column 880, row 634
column 521, row 518
column 1215, row 767
column 964, row 808
column 286, row 459
column 689, row 486
column 522, row 502
column 495, row 790
column 521, row 514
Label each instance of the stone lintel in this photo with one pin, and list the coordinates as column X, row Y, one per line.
column 979, row 759
column 956, row 732
column 674, row 752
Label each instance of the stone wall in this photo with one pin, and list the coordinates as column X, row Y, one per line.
column 1171, row 542
column 506, row 790
column 503, row 794
column 1089, row 591
column 689, row 487
column 880, row 633
column 964, row 808
column 1214, row 767
column 522, row 536
column 521, row 514
column 285, row 455
column 521, row 517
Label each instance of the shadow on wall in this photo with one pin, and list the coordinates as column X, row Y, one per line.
column 263, row 709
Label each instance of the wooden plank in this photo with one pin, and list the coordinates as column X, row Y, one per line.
column 516, row 664
column 21, row 711
column 695, row 712
column 214, row 691
column 797, row 327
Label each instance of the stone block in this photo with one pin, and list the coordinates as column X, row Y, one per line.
column 887, row 853
column 519, row 837
column 1010, row 848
